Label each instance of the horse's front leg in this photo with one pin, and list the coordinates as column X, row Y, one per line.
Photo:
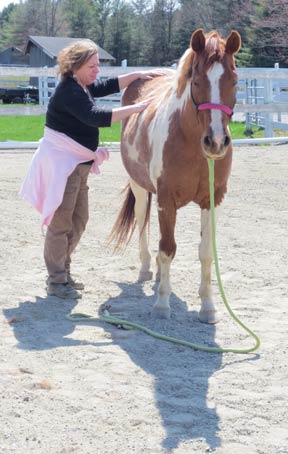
column 208, row 313
column 167, row 250
column 140, row 208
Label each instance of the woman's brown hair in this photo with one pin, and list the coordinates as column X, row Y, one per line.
column 74, row 56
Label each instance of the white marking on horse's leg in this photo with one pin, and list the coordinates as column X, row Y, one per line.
column 161, row 308
column 140, row 194
column 158, row 272
column 158, row 265
column 214, row 74
column 207, row 312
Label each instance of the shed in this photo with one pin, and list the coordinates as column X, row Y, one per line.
column 13, row 56
column 43, row 51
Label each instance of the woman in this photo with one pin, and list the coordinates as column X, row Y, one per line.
column 70, row 140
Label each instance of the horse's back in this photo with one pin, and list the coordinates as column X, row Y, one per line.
column 135, row 147
column 133, row 92
column 144, row 88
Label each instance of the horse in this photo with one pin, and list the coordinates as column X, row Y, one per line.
column 165, row 150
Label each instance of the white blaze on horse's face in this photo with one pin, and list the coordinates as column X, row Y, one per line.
column 214, row 74
column 217, row 139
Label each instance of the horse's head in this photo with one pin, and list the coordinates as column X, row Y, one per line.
column 213, row 88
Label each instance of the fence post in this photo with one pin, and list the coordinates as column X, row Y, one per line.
column 277, row 92
column 40, row 82
column 247, row 101
column 45, row 90
column 268, row 98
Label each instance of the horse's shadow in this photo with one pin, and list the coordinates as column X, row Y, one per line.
column 181, row 375
column 42, row 324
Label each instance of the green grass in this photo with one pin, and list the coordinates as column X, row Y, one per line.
column 238, row 131
column 22, row 128
column 29, row 128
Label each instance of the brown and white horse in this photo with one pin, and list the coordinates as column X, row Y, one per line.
column 165, row 150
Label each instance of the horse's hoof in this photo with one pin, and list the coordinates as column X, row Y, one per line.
column 145, row 276
column 161, row 312
column 210, row 317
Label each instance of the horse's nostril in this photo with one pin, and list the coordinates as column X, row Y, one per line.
column 226, row 141
column 207, row 141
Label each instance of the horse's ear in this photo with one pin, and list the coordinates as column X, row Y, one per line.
column 233, row 43
column 198, row 41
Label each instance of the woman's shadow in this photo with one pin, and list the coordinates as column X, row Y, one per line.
column 42, row 324
column 181, row 375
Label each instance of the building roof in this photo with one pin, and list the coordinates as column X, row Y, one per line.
column 52, row 46
column 13, row 56
column 12, row 49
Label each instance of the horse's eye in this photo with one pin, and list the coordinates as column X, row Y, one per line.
column 195, row 83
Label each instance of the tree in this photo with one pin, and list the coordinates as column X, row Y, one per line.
column 162, row 20
column 79, row 16
column 140, row 43
column 270, row 43
column 153, row 32
column 6, row 32
column 221, row 15
column 118, row 41
column 102, row 10
column 34, row 17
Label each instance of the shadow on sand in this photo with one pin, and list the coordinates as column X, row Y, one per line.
column 181, row 375
column 42, row 324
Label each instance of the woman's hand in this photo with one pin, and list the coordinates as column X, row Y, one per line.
column 126, row 79
column 142, row 105
column 150, row 74
column 120, row 113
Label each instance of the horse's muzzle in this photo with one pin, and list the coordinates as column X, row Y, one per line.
column 215, row 149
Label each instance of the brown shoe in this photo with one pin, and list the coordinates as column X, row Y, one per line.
column 64, row 291
column 75, row 284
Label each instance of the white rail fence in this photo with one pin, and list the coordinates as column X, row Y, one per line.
column 262, row 95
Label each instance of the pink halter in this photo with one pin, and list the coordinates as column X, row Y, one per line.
column 213, row 106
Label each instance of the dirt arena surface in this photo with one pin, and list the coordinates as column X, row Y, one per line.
column 92, row 388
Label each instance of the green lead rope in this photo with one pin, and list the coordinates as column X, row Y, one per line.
column 215, row 255
column 106, row 317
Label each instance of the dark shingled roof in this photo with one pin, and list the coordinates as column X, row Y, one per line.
column 52, row 46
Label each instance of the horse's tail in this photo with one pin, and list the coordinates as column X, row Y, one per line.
column 125, row 223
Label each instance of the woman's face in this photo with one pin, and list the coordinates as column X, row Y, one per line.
column 87, row 73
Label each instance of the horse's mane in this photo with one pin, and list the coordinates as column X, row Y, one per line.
column 214, row 48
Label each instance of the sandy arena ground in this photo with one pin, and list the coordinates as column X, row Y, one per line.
column 92, row 388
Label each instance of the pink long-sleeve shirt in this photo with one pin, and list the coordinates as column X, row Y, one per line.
column 54, row 160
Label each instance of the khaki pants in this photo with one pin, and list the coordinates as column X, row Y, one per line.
column 67, row 226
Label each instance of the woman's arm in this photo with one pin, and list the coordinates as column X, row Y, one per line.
column 126, row 79
column 104, row 88
column 120, row 113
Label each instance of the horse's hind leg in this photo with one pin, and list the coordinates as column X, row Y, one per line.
column 140, row 209
column 208, row 313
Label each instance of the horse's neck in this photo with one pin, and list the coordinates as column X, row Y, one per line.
column 188, row 119
column 179, row 109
